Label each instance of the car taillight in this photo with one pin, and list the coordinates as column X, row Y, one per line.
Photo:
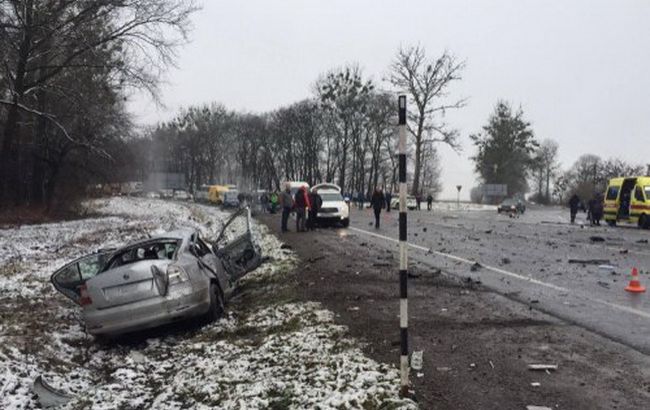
column 84, row 298
column 161, row 279
column 176, row 274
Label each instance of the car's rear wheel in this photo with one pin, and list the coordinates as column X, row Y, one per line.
column 644, row 222
column 611, row 222
column 216, row 304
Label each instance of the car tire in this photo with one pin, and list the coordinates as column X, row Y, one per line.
column 611, row 223
column 346, row 222
column 216, row 304
column 644, row 222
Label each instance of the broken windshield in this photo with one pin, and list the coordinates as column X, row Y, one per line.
column 160, row 249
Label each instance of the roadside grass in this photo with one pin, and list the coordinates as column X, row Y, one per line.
column 11, row 269
column 270, row 350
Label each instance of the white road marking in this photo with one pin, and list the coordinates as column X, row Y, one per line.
column 524, row 278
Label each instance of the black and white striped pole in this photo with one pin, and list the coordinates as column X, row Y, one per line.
column 403, row 255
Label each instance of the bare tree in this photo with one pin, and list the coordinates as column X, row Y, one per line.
column 427, row 82
column 544, row 169
column 345, row 94
column 47, row 39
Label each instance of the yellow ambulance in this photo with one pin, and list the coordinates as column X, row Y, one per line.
column 627, row 199
column 216, row 193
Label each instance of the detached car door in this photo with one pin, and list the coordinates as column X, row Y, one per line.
column 236, row 246
column 68, row 279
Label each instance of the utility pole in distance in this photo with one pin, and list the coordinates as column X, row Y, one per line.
column 403, row 255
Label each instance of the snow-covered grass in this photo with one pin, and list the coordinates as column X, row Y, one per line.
column 269, row 351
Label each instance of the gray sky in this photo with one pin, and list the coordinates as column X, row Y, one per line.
column 579, row 69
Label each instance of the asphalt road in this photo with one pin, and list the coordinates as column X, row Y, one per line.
column 527, row 259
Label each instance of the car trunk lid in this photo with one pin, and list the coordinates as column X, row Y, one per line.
column 125, row 284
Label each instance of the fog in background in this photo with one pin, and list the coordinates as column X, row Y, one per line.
column 580, row 69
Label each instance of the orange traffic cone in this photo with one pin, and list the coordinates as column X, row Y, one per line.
column 635, row 285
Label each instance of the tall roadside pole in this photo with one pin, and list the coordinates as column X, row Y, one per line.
column 403, row 255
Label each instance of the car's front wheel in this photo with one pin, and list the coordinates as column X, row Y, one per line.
column 345, row 222
column 216, row 304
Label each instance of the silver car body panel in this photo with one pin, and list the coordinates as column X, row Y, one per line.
column 125, row 294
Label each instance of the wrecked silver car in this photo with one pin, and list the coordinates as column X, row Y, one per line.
column 166, row 278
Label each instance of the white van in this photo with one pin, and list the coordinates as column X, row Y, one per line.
column 334, row 209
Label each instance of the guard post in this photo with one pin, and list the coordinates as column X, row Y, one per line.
column 403, row 255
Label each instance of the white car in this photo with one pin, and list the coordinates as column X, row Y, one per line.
column 411, row 203
column 182, row 195
column 334, row 208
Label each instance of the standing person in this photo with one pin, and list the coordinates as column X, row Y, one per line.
column 429, row 202
column 286, row 201
column 316, row 203
column 597, row 209
column 389, row 198
column 377, row 202
column 362, row 199
column 301, row 205
column 264, row 202
column 418, row 200
column 274, row 202
column 574, row 204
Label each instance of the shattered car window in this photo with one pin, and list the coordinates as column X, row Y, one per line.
column 69, row 275
column 89, row 268
column 164, row 249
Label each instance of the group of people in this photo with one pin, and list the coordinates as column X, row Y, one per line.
column 304, row 203
column 269, row 202
column 418, row 201
column 594, row 208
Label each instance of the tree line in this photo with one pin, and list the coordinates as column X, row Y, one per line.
column 507, row 152
column 67, row 69
column 344, row 133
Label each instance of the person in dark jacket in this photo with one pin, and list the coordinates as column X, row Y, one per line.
column 316, row 203
column 377, row 202
column 429, row 202
column 574, row 205
column 389, row 198
column 302, row 206
column 361, row 200
column 596, row 209
column 418, row 200
column 286, row 202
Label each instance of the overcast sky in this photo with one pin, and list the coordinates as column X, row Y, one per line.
column 579, row 69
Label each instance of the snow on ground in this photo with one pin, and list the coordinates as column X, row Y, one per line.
column 267, row 352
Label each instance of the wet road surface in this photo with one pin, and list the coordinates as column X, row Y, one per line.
column 527, row 259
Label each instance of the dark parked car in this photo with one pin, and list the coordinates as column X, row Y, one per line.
column 170, row 277
column 512, row 206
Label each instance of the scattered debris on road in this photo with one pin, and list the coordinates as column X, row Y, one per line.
column 590, row 261
column 542, row 367
column 476, row 266
column 596, row 239
column 417, row 359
